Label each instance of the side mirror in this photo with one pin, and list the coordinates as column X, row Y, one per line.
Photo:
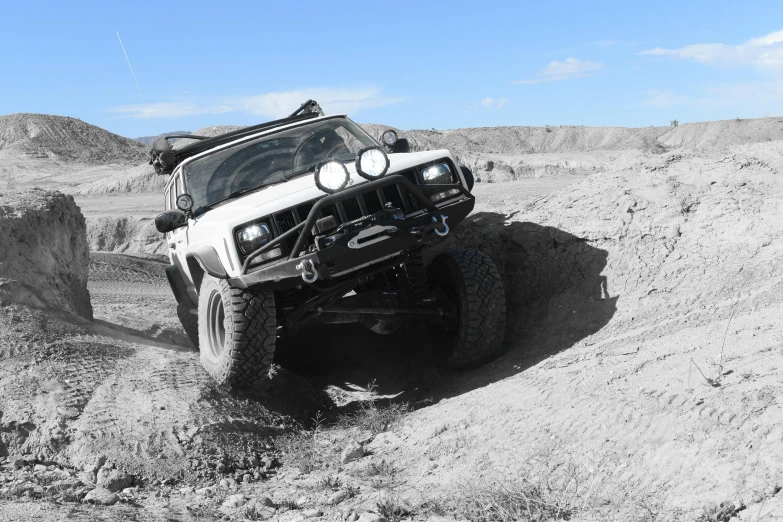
column 401, row 145
column 170, row 220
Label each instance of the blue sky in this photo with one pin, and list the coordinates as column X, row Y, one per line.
column 408, row 64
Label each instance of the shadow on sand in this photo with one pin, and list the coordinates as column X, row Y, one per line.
column 555, row 296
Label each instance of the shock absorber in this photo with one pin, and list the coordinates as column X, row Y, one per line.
column 416, row 272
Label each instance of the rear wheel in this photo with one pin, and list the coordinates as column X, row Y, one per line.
column 470, row 288
column 237, row 332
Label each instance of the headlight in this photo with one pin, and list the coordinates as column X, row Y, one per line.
column 331, row 176
column 389, row 137
column 372, row 163
column 253, row 237
column 439, row 174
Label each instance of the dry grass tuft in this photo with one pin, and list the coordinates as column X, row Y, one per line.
column 393, row 509
column 538, row 492
column 373, row 418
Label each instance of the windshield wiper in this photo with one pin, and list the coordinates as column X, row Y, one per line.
column 236, row 194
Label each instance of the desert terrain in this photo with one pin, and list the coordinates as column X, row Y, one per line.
column 643, row 271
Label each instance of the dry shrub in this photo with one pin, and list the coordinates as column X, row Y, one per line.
column 371, row 417
column 302, row 450
column 538, row 492
column 393, row 509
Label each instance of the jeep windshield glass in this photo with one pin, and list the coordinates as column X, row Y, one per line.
column 275, row 158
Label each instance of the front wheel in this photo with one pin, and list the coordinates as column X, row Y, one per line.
column 470, row 287
column 237, row 332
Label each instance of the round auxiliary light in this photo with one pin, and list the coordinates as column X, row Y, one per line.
column 184, row 202
column 389, row 137
column 331, row 176
column 372, row 163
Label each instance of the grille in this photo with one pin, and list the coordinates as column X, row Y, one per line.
column 345, row 210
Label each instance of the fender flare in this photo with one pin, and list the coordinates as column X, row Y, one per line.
column 178, row 286
column 205, row 260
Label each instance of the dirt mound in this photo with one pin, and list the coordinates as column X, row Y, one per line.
column 131, row 235
column 136, row 180
column 43, row 252
column 622, row 292
column 508, row 153
column 40, row 136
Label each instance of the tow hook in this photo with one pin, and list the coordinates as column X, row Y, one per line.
column 445, row 226
column 309, row 273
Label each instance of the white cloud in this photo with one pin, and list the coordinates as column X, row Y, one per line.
column 566, row 70
column 765, row 52
column 170, row 109
column 269, row 105
column 745, row 98
column 492, row 103
column 661, row 99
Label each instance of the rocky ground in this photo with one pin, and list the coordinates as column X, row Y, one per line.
column 641, row 378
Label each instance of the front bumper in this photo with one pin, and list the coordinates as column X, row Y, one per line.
column 366, row 242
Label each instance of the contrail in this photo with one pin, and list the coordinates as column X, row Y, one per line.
column 149, row 113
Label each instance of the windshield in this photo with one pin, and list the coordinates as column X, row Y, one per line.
column 271, row 159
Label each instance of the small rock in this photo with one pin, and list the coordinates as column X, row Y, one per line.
column 337, row 497
column 353, row 517
column 87, row 477
column 186, row 490
column 207, row 491
column 113, row 480
column 265, row 501
column 312, row 513
column 353, row 451
column 39, row 467
column 94, row 465
column 16, row 461
column 367, row 516
column 130, row 491
column 101, row 496
column 247, row 477
column 235, row 501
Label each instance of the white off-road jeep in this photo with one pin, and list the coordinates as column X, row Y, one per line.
column 308, row 219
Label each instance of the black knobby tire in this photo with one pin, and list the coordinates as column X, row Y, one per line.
column 240, row 354
column 470, row 286
column 189, row 323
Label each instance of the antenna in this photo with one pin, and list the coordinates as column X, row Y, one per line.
column 149, row 113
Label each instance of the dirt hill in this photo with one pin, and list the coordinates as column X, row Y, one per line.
column 43, row 252
column 64, row 139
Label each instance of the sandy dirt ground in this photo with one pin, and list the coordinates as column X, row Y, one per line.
column 641, row 379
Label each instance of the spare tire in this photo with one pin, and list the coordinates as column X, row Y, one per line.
column 237, row 332
column 469, row 286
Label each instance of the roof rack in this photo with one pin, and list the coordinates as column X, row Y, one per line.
column 165, row 159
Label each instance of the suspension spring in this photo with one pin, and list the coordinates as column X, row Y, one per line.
column 416, row 271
